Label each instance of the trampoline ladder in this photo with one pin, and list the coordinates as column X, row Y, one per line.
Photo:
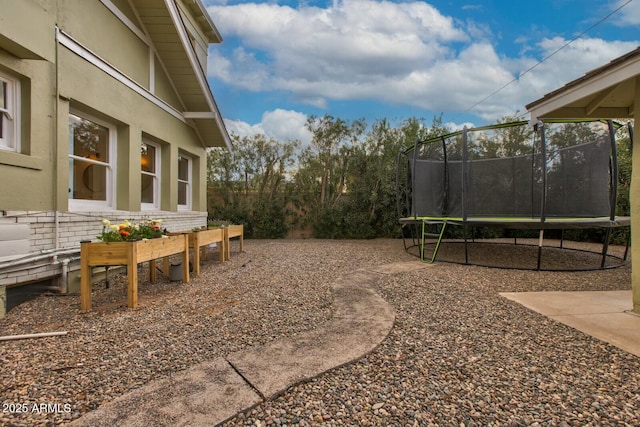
column 435, row 250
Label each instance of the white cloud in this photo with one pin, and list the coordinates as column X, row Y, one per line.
column 404, row 53
column 278, row 124
column 242, row 129
column 286, row 125
column 453, row 127
column 340, row 52
column 242, row 69
column 491, row 86
column 629, row 14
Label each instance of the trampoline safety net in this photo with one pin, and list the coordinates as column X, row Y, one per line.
column 563, row 170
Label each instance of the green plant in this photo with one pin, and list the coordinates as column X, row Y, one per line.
column 218, row 223
column 130, row 231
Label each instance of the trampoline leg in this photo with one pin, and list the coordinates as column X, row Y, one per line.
column 540, row 242
column 403, row 229
column 422, row 243
column 466, row 249
column 605, row 247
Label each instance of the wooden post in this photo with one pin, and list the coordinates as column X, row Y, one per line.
column 227, row 246
column 230, row 232
column 85, row 277
column 196, row 253
column 132, row 275
column 152, row 271
column 185, row 259
column 165, row 266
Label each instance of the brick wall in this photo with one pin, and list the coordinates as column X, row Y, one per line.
column 46, row 259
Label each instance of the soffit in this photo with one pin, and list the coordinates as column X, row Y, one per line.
column 186, row 78
column 160, row 27
column 605, row 92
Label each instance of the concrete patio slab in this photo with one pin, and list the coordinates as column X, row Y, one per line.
column 605, row 315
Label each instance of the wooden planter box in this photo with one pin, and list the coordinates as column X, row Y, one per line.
column 232, row 231
column 129, row 254
column 198, row 241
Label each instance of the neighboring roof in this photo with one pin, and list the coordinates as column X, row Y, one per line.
column 164, row 26
column 605, row 92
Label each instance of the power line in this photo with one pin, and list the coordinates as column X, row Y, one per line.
column 548, row 56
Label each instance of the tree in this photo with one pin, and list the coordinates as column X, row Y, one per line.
column 344, row 185
column 249, row 185
column 321, row 179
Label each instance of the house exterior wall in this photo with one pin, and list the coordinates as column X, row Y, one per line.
column 86, row 88
column 105, row 35
column 63, row 53
column 29, row 173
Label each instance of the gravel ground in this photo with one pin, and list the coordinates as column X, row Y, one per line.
column 459, row 354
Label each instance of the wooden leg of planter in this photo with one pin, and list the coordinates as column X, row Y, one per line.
column 152, row 271
column 196, row 262
column 165, row 266
column 222, row 249
column 85, row 278
column 227, row 245
column 185, row 260
column 132, row 277
column 196, row 255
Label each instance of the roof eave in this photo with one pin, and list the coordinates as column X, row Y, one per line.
column 201, row 77
column 572, row 100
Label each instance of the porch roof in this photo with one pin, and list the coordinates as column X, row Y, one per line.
column 608, row 91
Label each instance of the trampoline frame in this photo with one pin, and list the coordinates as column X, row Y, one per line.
column 561, row 224
column 539, row 223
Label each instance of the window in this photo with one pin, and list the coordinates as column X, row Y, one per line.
column 184, row 182
column 9, row 120
column 91, row 160
column 150, row 179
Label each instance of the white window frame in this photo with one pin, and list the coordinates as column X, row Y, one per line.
column 157, row 176
column 10, row 113
column 88, row 205
column 189, row 182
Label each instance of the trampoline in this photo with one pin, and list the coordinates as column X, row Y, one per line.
column 519, row 179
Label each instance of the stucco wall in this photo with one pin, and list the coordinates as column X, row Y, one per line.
column 101, row 32
column 57, row 80
column 29, row 172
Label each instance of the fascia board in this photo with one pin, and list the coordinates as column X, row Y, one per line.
column 199, row 73
column 583, row 89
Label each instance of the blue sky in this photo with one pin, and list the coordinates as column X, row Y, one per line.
column 473, row 61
